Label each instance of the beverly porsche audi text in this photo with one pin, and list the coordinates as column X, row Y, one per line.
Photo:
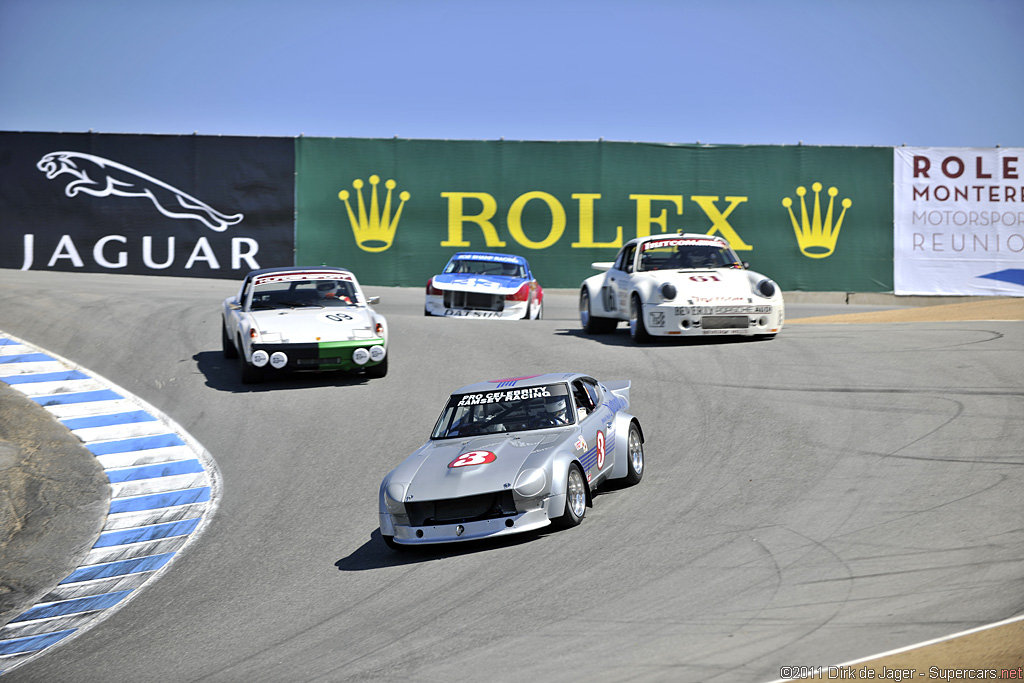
column 303, row 319
column 510, row 455
column 686, row 284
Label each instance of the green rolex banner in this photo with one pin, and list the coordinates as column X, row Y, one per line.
column 394, row 211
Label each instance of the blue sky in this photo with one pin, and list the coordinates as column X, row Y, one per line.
column 866, row 72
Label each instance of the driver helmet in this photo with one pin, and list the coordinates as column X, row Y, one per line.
column 556, row 407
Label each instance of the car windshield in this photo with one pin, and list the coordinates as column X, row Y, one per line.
column 320, row 293
column 504, row 410
column 682, row 254
column 480, row 267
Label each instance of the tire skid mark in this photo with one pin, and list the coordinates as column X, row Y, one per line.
column 164, row 488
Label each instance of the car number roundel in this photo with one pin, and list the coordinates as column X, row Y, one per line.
column 600, row 449
column 473, row 458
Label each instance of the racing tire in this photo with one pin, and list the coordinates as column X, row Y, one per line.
column 378, row 370
column 389, row 541
column 540, row 311
column 634, row 455
column 592, row 324
column 637, row 329
column 226, row 345
column 575, row 498
column 250, row 374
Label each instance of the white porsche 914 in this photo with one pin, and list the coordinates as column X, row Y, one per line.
column 303, row 319
column 687, row 284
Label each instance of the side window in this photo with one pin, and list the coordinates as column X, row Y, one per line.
column 628, row 258
column 584, row 401
column 620, row 261
column 244, row 293
column 592, row 391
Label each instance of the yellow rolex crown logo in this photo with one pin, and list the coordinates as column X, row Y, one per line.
column 816, row 237
column 373, row 230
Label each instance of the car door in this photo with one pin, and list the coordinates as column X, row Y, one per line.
column 615, row 292
column 595, row 420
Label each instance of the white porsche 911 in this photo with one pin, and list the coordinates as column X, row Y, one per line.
column 687, row 284
column 303, row 319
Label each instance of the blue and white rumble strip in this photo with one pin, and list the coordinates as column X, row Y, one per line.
column 164, row 487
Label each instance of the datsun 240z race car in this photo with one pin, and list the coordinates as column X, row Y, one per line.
column 687, row 284
column 303, row 319
column 510, row 455
column 481, row 285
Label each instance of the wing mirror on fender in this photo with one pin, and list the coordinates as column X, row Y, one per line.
column 373, row 300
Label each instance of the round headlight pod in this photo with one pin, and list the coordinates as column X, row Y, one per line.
column 278, row 360
column 360, row 356
column 668, row 291
column 531, row 482
column 260, row 358
column 377, row 353
column 766, row 288
column 393, row 496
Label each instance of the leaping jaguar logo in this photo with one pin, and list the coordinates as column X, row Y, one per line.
column 102, row 177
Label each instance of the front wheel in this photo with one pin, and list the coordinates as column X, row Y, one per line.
column 380, row 369
column 575, row 498
column 637, row 329
column 634, row 455
column 592, row 324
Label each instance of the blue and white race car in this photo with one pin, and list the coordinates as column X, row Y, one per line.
column 483, row 285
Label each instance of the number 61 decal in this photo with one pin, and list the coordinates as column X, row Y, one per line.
column 473, row 458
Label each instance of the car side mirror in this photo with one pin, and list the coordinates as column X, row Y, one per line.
column 746, row 265
column 234, row 305
column 373, row 300
column 602, row 265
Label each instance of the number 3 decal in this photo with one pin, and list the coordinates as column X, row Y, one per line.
column 473, row 458
column 600, row 449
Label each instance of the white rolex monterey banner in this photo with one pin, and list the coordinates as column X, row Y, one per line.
column 958, row 220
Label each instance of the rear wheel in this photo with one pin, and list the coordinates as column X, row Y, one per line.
column 575, row 498
column 226, row 344
column 634, row 455
column 637, row 329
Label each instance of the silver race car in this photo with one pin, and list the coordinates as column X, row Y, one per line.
column 510, row 455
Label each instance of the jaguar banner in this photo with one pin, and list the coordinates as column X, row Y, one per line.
column 394, row 211
column 958, row 221
column 194, row 206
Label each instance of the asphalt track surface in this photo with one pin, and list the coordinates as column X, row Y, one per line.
column 841, row 491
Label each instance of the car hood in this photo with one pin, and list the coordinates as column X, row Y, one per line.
column 493, row 284
column 306, row 325
column 430, row 478
column 710, row 285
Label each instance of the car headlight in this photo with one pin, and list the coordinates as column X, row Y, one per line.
column 668, row 291
column 394, row 494
column 765, row 288
column 531, row 483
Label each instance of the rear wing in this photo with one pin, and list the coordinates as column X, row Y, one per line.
column 620, row 388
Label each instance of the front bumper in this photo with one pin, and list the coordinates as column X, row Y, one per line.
column 672, row 319
column 457, row 305
column 339, row 355
column 535, row 518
